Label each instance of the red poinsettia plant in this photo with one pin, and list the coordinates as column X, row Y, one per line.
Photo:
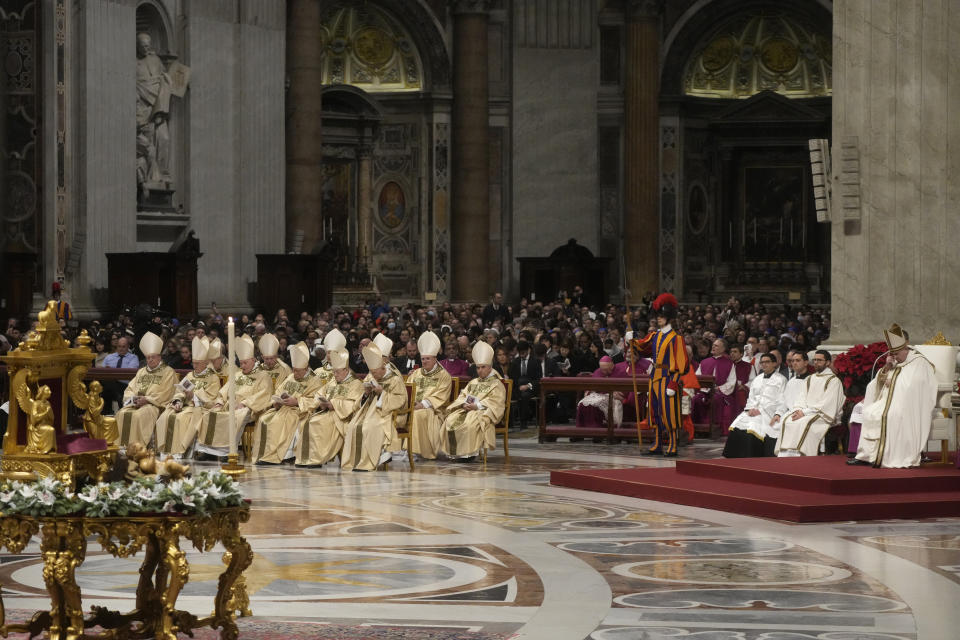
column 855, row 369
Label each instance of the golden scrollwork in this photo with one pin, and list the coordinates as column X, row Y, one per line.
column 939, row 340
column 163, row 574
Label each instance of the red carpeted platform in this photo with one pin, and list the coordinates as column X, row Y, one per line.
column 820, row 489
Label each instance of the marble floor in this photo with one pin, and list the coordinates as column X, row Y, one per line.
column 496, row 552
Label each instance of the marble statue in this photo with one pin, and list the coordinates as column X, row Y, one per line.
column 154, row 90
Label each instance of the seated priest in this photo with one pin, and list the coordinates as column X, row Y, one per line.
column 747, row 432
column 897, row 407
column 195, row 395
column 218, row 361
column 473, row 416
column 368, row 438
column 433, row 385
column 333, row 341
column 254, row 389
column 294, row 399
column 716, row 405
column 797, row 361
column 272, row 365
column 146, row 395
column 321, row 437
column 814, row 411
column 592, row 408
column 745, row 375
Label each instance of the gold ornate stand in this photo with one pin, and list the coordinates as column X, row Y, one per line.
column 164, row 572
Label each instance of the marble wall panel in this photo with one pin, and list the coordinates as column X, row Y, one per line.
column 895, row 92
column 555, row 194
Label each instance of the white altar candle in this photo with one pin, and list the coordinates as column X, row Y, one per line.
column 232, row 373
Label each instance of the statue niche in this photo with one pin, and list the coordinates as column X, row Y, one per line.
column 159, row 79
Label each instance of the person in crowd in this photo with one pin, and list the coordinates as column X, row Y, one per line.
column 195, row 394
column 716, row 406
column 63, row 307
column 433, row 387
column 452, row 362
column 293, row 401
column 897, row 407
column 147, row 394
column 320, row 438
column 254, row 389
column 471, row 419
column 814, row 411
column 495, row 311
column 593, row 407
column 748, row 430
column 369, row 437
column 272, row 365
column 525, row 371
column 409, row 359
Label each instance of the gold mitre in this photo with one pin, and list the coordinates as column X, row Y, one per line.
column 896, row 337
column 372, row 356
column 269, row 345
column 338, row 359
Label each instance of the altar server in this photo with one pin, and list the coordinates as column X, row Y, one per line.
column 817, row 408
column 747, row 432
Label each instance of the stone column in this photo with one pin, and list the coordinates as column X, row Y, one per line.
column 641, row 166
column 364, row 219
column 470, row 163
column 304, row 150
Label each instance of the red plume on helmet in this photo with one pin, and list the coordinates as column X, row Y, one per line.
column 666, row 305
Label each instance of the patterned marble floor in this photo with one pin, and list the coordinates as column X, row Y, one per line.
column 496, row 552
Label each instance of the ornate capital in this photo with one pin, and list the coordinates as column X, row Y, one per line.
column 364, row 151
column 644, row 9
column 469, row 6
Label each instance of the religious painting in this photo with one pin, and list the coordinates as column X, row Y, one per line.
column 391, row 208
column 774, row 214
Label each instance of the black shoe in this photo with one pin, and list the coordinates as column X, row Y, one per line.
column 288, row 461
column 652, row 452
column 308, row 466
column 670, row 455
column 856, row 462
column 467, row 459
column 264, row 463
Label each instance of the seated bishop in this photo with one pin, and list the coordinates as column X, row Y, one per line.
column 218, row 361
column 816, row 408
column 147, row 394
column 294, row 400
column 368, row 438
column 897, row 407
column 273, row 366
column 253, row 391
column 195, row 395
column 745, row 438
column 472, row 418
column 333, row 341
column 433, row 385
column 321, row 437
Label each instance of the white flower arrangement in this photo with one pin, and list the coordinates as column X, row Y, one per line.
column 204, row 492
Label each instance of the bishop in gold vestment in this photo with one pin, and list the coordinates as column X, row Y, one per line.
column 472, row 417
column 195, row 395
column 254, row 389
column 273, row 366
column 433, row 385
column 321, row 437
column 146, row 395
column 371, row 432
column 293, row 402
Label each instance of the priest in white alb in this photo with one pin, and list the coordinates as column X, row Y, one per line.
column 294, row 400
column 813, row 413
column 367, row 440
column 147, row 394
column 433, row 385
column 472, row 418
column 195, row 394
column 321, row 437
column 897, row 407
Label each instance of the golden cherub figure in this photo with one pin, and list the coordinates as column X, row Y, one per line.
column 41, row 434
column 92, row 420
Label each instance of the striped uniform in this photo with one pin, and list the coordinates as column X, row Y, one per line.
column 669, row 364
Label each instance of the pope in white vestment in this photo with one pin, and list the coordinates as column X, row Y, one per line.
column 897, row 408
